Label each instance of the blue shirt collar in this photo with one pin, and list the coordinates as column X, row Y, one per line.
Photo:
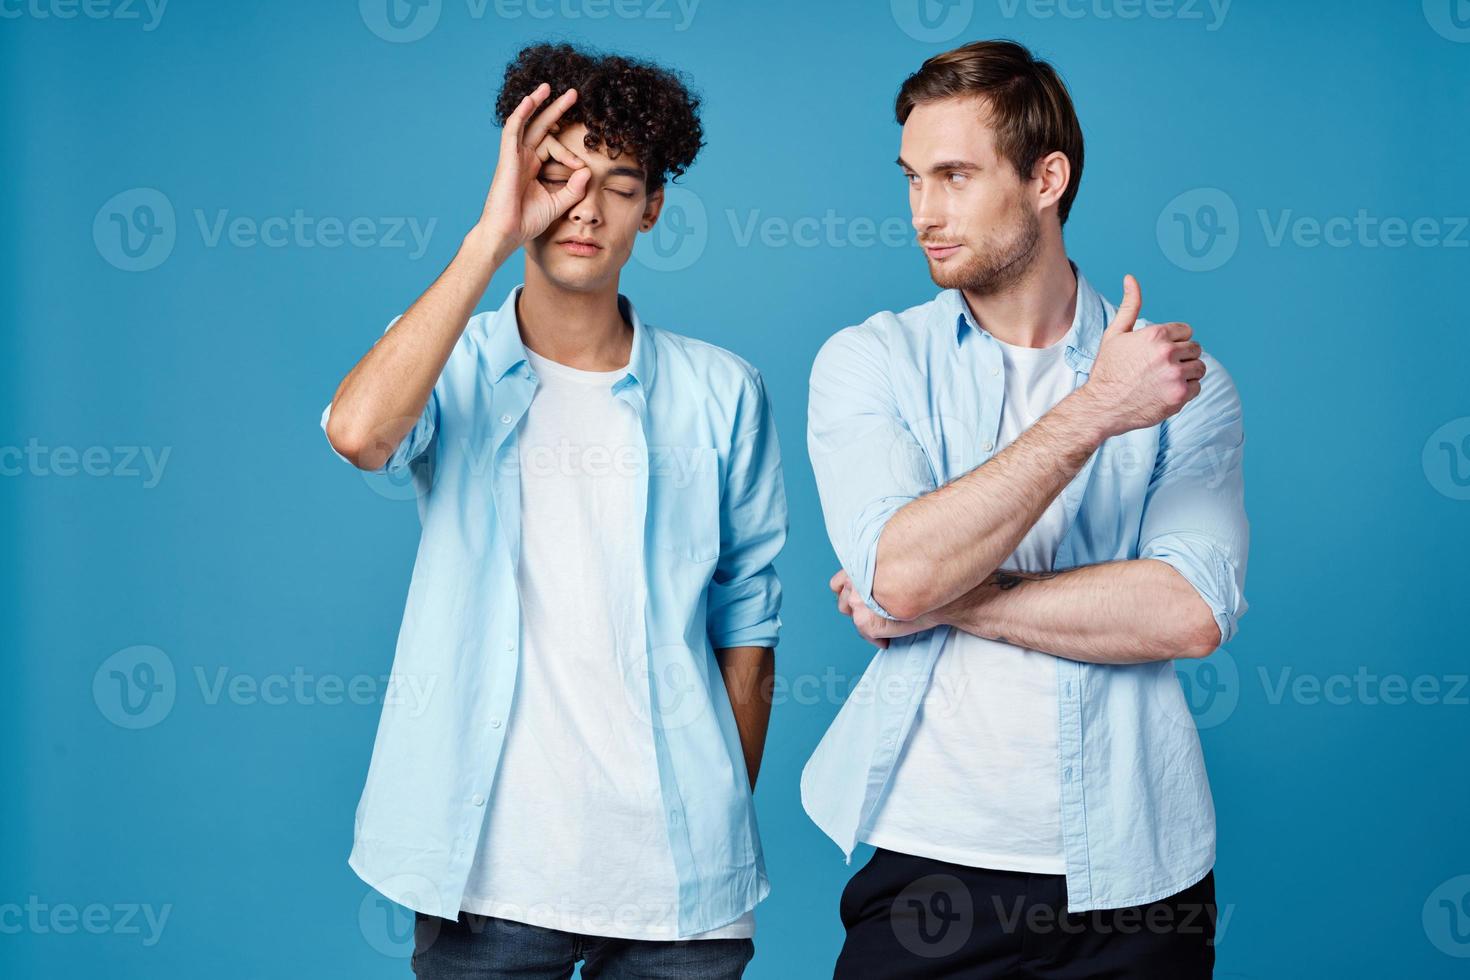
column 504, row 350
column 1089, row 320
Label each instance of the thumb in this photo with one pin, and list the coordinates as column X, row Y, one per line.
column 1127, row 314
column 572, row 191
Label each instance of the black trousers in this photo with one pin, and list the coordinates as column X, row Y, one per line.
column 913, row 917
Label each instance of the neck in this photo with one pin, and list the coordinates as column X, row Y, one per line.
column 1038, row 309
column 581, row 329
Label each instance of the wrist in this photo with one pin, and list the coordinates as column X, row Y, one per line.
column 952, row 613
column 1089, row 414
column 488, row 246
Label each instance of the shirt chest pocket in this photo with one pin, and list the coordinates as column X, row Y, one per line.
column 684, row 501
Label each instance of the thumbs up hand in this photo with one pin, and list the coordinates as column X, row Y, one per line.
column 1141, row 377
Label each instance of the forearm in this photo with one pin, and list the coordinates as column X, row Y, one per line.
column 1119, row 612
column 943, row 544
column 382, row 397
column 749, row 673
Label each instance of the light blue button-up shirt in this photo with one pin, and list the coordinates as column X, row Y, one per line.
column 904, row 403
column 714, row 512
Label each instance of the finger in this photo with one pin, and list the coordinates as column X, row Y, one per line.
column 1193, row 370
column 571, row 192
column 835, row 583
column 1174, row 331
column 869, row 623
column 1192, row 389
column 552, row 149
column 541, row 125
column 515, row 123
column 1127, row 314
column 1187, row 350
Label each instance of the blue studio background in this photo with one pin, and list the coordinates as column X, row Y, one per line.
column 1288, row 177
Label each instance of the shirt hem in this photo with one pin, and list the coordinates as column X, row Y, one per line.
column 1154, row 894
column 969, row 859
column 523, row 914
column 404, row 890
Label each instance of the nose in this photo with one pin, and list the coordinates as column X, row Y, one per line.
column 925, row 217
column 585, row 212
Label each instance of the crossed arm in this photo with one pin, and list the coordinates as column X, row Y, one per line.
column 1110, row 613
column 916, row 556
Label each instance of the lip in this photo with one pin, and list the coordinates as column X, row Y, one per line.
column 577, row 246
column 940, row 252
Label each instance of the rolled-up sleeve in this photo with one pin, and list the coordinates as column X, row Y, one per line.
column 415, row 443
column 1194, row 517
column 866, row 461
column 744, row 596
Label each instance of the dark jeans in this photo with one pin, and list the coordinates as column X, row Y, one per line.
column 486, row 948
column 913, row 917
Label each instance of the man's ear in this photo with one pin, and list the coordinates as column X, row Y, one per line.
column 653, row 206
column 1054, row 171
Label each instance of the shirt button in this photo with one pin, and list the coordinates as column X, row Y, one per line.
column 510, row 645
column 477, row 800
column 494, row 722
column 505, row 419
column 994, row 371
column 988, row 446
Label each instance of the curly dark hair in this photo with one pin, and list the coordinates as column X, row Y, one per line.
column 627, row 105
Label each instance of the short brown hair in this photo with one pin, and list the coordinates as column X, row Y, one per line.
column 1029, row 103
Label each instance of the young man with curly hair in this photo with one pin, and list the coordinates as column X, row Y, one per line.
column 1037, row 501
column 594, row 597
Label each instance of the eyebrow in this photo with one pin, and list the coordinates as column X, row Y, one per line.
column 943, row 166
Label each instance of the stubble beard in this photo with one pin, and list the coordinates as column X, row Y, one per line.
column 995, row 267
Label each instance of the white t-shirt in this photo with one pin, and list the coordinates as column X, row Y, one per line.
column 978, row 783
column 575, row 838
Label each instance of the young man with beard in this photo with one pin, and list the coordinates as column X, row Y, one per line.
column 1037, row 502
column 594, row 599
